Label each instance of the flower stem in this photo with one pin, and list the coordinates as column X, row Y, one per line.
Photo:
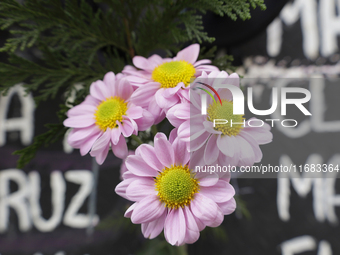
column 182, row 250
column 154, row 130
column 137, row 139
column 131, row 51
column 128, row 38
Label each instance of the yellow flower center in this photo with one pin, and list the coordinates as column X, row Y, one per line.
column 176, row 186
column 223, row 113
column 109, row 111
column 169, row 74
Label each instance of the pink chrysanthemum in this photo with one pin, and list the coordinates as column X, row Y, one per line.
column 162, row 82
column 236, row 145
column 169, row 195
column 105, row 117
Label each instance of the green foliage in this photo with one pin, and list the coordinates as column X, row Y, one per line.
column 241, row 8
column 54, row 133
column 160, row 246
column 223, row 61
column 241, row 208
column 78, row 42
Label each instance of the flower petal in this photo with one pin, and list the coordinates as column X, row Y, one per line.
column 156, row 59
column 200, row 224
column 173, row 135
column 135, row 78
column 165, row 152
column 146, row 121
column 99, row 90
column 197, row 159
column 205, row 209
column 101, row 147
column 247, row 157
column 208, row 180
column 163, row 102
column 148, row 209
column 137, row 166
column 262, row 135
column 110, row 81
column 115, row 135
column 88, row 143
column 90, row 100
column 130, row 210
column 199, row 142
column 156, row 111
column 122, row 186
column 134, row 112
column 82, row 133
column 147, row 152
column 211, row 151
column 82, row 109
column 184, row 130
column 143, row 95
column 175, row 227
column 202, row 62
column 126, row 128
column 124, row 89
column 192, row 232
column 196, row 126
column 221, row 192
column 189, row 54
column 79, row 121
column 141, row 188
column 209, row 126
column 169, row 92
column 154, row 228
column 182, row 156
column 178, row 114
column 227, row 144
column 142, row 63
column 183, row 111
column 253, row 144
column 205, row 68
column 228, row 207
column 120, row 149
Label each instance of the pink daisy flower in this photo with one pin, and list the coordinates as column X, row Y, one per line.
column 162, row 82
column 105, row 118
column 236, row 145
column 169, row 195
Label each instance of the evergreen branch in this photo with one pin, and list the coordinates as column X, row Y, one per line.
column 146, row 24
column 224, row 62
column 231, row 8
column 194, row 28
column 47, row 81
column 74, row 21
column 241, row 8
column 55, row 132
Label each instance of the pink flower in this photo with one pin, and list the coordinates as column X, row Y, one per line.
column 169, row 195
column 237, row 145
column 105, row 117
column 162, row 82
